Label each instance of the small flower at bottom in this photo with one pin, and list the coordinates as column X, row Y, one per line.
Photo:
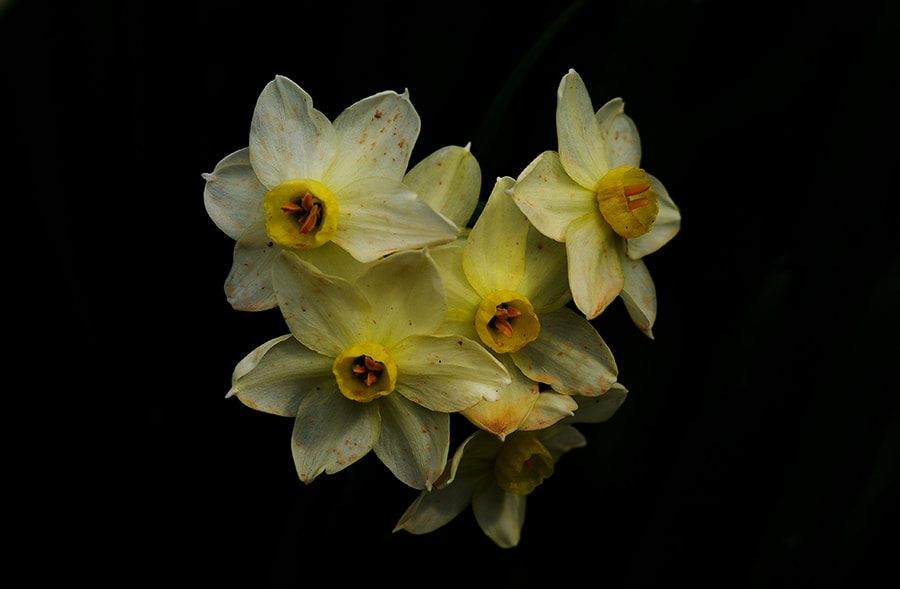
column 495, row 477
column 362, row 369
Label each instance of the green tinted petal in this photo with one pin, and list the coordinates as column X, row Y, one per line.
column 666, row 226
column 332, row 432
column 249, row 284
column 414, row 441
column 499, row 514
column 569, row 355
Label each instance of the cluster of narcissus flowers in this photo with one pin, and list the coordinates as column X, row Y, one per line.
column 403, row 307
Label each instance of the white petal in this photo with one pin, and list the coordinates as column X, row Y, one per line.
column 569, row 355
column 414, row 441
column 277, row 375
column 494, row 258
column 639, row 294
column 288, row 137
column 550, row 199
column 560, row 439
column 435, row 508
column 375, row 137
column 499, row 514
column 449, row 180
column 595, row 269
column 406, row 296
column 249, row 284
column 381, row 216
column 332, row 432
column 545, row 281
column 581, row 149
column 462, row 300
column 325, row 313
column 447, row 373
column 666, row 226
column 233, row 194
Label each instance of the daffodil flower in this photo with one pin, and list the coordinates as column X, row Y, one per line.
column 593, row 196
column 362, row 368
column 305, row 183
column 506, row 287
column 495, row 477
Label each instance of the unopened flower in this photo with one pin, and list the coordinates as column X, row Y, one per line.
column 362, row 368
column 506, row 287
column 305, row 183
column 593, row 195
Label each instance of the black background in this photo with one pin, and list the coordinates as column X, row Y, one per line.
column 758, row 446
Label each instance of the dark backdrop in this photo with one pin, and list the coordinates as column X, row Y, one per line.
column 759, row 444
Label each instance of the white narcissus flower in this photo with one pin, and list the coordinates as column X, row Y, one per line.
column 506, row 287
column 495, row 476
column 307, row 184
column 362, row 369
column 593, row 196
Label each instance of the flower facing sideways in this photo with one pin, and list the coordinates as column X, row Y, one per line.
column 309, row 185
column 593, row 196
column 363, row 370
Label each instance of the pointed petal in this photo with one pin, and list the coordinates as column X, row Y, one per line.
column 414, row 441
column 381, row 216
column 569, row 355
column 449, row 180
column 276, row 376
column 504, row 416
column 233, row 195
column 545, row 281
column 599, row 409
column 595, row 269
column 406, row 296
column 325, row 313
column 447, row 373
column 666, row 226
column 639, row 295
column 438, row 507
column 581, row 149
column 249, row 284
column 550, row 199
column 288, row 137
column 550, row 408
column 332, row 432
column 499, row 514
column 494, row 258
column 375, row 137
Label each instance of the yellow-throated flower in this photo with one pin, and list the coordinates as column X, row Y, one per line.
column 506, row 288
column 305, row 183
column 593, row 195
column 495, row 476
column 362, row 368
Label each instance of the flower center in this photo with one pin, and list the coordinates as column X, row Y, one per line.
column 627, row 201
column 300, row 214
column 365, row 372
column 523, row 464
column 505, row 321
